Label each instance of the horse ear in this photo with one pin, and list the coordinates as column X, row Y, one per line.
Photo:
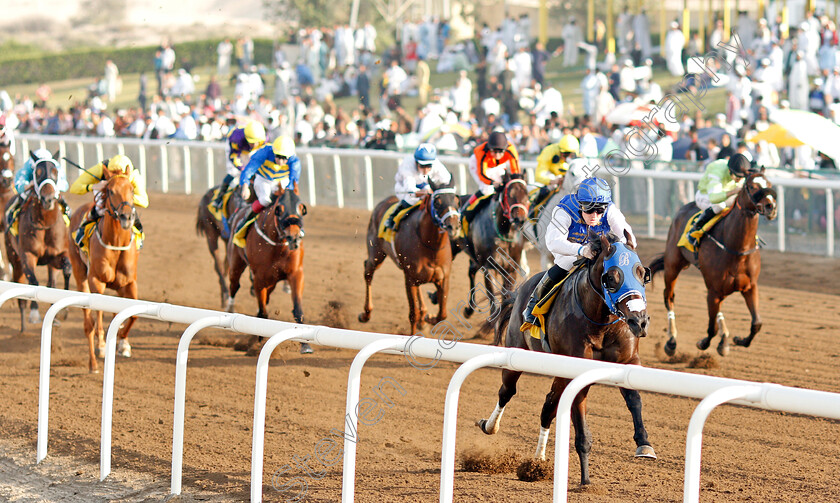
column 605, row 243
column 32, row 155
column 628, row 240
column 55, row 155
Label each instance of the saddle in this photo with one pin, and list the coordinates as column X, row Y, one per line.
column 222, row 212
column 13, row 217
column 388, row 234
column 239, row 239
column 90, row 229
column 699, row 233
column 469, row 212
column 542, row 308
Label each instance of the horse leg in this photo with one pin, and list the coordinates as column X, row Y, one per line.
column 714, row 316
column 441, row 293
column 491, row 425
column 672, row 271
column 129, row 291
column 29, row 263
column 50, row 276
column 219, row 265
column 751, row 298
column 583, row 438
column 295, row 282
column 93, row 324
column 468, row 310
column 411, row 291
column 634, row 405
column 236, row 267
column 375, row 258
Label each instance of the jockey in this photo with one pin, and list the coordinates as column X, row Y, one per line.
column 590, row 209
column 718, row 189
column 271, row 166
column 241, row 141
column 25, row 181
column 413, row 177
column 553, row 162
column 6, row 135
column 92, row 179
column 488, row 165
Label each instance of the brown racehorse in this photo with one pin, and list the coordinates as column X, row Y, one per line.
column 493, row 232
column 212, row 228
column 7, row 193
column 274, row 252
column 729, row 260
column 112, row 262
column 42, row 236
column 584, row 324
column 421, row 248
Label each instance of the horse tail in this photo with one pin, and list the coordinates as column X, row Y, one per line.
column 657, row 265
column 199, row 225
column 503, row 318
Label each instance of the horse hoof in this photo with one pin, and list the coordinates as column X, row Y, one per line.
column 93, row 371
column 364, row 317
column 99, row 351
column 703, row 344
column 34, row 317
column 723, row 349
column 230, row 305
column 305, row 349
column 481, row 423
column 242, row 345
column 433, row 298
column 286, row 288
column 741, row 341
column 468, row 311
column 124, row 348
column 671, row 347
column 645, row 451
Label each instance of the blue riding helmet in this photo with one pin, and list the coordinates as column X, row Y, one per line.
column 425, row 154
column 593, row 192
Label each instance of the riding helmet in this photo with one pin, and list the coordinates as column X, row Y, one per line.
column 739, row 165
column 569, row 144
column 497, row 141
column 254, row 133
column 425, row 154
column 594, row 192
column 283, row 146
column 120, row 163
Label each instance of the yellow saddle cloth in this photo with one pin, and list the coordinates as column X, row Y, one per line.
column 537, row 205
column 221, row 212
column 388, row 234
column 13, row 230
column 239, row 238
column 543, row 306
column 699, row 232
column 469, row 213
column 90, row 229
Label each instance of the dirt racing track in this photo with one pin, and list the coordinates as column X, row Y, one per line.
column 748, row 454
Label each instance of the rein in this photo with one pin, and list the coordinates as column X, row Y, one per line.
column 750, row 212
column 580, row 307
column 112, row 247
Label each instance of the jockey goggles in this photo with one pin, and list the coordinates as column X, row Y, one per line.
column 280, row 158
column 597, row 208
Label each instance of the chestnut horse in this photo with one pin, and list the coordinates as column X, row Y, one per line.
column 207, row 225
column 494, row 233
column 112, row 261
column 728, row 258
column 599, row 313
column 7, row 193
column 274, row 252
column 42, row 236
column 421, row 248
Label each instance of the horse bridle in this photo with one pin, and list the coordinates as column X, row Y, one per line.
column 48, row 180
column 440, row 221
column 282, row 222
column 115, row 210
column 508, row 208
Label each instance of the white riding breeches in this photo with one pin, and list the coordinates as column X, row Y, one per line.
column 702, row 201
column 264, row 188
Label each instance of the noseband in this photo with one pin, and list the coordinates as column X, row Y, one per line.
column 508, row 208
column 440, row 221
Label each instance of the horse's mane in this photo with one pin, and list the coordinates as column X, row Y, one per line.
column 595, row 239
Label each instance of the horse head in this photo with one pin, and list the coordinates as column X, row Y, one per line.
column 622, row 280
column 46, row 177
column 443, row 206
column 119, row 199
column 513, row 199
column 761, row 195
column 288, row 217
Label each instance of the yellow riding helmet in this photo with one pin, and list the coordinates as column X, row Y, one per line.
column 254, row 133
column 283, row 146
column 569, row 144
column 120, row 164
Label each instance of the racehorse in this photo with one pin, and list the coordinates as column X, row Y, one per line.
column 41, row 238
column 111, row 261
column 599, row 313
column 274, row 252
column 535, row 229
column 494, row 233
column 421, row 248
column 207, row 225
column 729, row 260
column 7, row 193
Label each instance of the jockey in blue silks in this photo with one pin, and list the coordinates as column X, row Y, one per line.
column 272, row 166
column 25, row 182
column 589, row 209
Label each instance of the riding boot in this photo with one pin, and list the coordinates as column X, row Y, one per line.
column 702, row 220
column 251, row 214
column 390, row 223
column 467, row 212
column 91, row 217
column 12, row 209
column 545, row 285
column 218, row 200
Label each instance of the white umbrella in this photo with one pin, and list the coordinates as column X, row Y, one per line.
column 811, row 129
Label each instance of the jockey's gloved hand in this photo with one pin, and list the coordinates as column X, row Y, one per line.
column 246, row 192
column 587, row 251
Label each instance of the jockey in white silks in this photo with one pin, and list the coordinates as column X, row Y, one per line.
column 414, row 175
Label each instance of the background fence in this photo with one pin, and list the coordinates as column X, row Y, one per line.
column 649, row 198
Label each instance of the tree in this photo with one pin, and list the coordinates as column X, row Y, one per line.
column 305, row 13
